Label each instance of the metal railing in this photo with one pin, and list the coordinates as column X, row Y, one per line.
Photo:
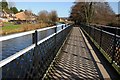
column 33, row 61
column 108, row 43
column 108, row 28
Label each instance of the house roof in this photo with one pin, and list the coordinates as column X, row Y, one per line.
column 21, row 16
column 24, row 16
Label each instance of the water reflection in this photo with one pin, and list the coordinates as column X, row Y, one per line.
column 14, row 45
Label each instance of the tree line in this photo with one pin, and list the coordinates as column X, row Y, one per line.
column 9, row 9
column 48, row 17
column 93, row 13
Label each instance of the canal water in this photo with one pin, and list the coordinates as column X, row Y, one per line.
column 11, row 46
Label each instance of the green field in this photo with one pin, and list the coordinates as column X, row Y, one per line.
column 10, row 26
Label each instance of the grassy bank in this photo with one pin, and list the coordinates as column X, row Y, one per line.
column 10, row 28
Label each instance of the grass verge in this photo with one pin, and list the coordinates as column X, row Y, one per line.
column 10, row 28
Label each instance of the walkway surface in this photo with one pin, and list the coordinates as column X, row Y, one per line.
column 76, row 61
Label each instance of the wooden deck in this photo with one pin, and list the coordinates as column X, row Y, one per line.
column 75, row 61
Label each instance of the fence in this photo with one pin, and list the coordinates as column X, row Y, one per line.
column 108, row 43
column 108, row 28
column 33, row 61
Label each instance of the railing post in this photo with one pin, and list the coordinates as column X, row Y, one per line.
column 94, row 32
column 89, row 30
column 34, row 38
column 55, row 37
column 114, row 46
column 62, row 26
column 62, row 33
column 34, row 41
column 101, row 33
column 65, row 25
column 56, row 29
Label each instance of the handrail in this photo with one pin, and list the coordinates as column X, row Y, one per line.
column 106, row 42
column 105, row 26
column 105, row 31
column 18, row 54
column 7, row 37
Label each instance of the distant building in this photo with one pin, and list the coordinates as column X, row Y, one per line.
column 21, row 16
column 63, row 19
column 5, row 17
column 12, row 17
column 25, row 17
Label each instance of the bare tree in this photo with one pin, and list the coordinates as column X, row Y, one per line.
column 92, row 12
column 88, row 11
column 28, row 14
column 43, row 16
column 53, row 17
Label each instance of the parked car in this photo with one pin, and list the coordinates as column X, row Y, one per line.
column 18, row 22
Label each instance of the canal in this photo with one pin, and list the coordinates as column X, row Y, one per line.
column 11, row 46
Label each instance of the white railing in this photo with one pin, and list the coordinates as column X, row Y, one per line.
column 18, row 54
